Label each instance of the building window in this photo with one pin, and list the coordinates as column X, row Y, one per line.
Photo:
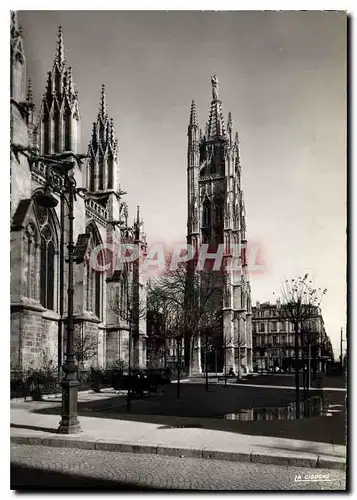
column 47, row 268
column 273, row 326
column 47, row 259
column 219, row 213
column 262, row 327
column 94, row 278
column 31, row 260
column 206, row 215
column 275, row 339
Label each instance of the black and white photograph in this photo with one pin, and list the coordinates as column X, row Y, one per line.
column 178, row 250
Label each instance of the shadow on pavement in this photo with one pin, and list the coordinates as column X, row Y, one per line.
column 23, row 479
column 198, row 408
column 306, row 449
column 34, row 428
column 288, row 379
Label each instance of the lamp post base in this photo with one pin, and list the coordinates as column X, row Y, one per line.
column 69, row 423
column 69, row 426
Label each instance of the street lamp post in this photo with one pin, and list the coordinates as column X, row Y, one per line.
column 69, row 423
column 61, row 290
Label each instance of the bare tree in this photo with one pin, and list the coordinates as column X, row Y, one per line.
column 85, row 346
column 299, row 303
column 126, row 304
column 166, row 302
column 211, row 331
column 193, row 297
column 157, row 326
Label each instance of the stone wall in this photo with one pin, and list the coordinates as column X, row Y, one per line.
column 33, row 339
column 117, row 347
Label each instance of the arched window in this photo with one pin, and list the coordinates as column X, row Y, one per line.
column 101, row 173
column 94, row 287
column 48, row 250
column 110, row 173
column 67, row 129
column 56, row 123
column 47, row 274
column 219, row 212
column 31, row 244
column 125, row 298
column 206, row 215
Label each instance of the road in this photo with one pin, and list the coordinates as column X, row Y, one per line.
column 46, row 467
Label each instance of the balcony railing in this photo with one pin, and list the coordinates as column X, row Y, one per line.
column 97, row 208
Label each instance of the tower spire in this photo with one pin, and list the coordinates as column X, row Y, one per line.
column 229, row 127
column 236, row 141
column 14, row 28
column 60, row 47
column 59, row 103
column 103, row 151
column 137, row 223
column 69, row 81
column 193, row 115
column 103, row 103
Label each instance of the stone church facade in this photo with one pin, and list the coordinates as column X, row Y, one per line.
column 104, row 306
column 216, row 217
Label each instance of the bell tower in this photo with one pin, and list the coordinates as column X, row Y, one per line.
column 216, row 217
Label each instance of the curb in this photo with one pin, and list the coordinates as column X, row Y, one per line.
column 180, row 451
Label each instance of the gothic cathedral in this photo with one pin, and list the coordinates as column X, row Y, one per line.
column 104, row 297
column 216, row 217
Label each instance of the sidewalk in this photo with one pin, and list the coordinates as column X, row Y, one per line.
column 28, row 427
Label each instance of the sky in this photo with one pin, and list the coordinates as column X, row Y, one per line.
column 283, row 77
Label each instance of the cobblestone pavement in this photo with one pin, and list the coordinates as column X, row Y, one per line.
column 60, row 467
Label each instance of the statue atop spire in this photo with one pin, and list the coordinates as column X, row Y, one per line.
column 215, row 87
column 215, row 126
